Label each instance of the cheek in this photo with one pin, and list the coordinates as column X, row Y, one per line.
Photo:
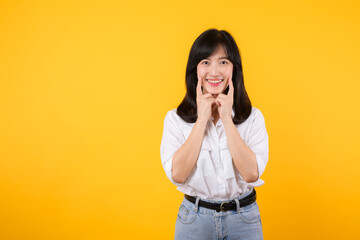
column 202, row 76
column 201, row 72
column 230, row 71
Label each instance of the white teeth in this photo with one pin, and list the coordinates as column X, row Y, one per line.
column 216, row 81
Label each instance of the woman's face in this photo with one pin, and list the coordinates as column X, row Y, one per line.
column 215, row 72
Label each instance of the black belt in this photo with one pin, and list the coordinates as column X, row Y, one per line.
column 225, row 206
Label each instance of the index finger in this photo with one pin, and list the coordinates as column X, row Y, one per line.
column 231, row 88
column 198, row 88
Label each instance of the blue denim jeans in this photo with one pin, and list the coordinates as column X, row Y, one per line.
column 199, row 223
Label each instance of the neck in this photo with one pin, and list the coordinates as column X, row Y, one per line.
column 215, row 112
column 215, row 95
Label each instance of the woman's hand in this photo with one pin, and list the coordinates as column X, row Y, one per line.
column 205, row 103
column 225, row 102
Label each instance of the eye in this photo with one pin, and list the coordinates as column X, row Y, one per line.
column 225, row 62
column 204, row 62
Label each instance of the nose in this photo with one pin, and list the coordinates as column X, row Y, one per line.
column 214, row 70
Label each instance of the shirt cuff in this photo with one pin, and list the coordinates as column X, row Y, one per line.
column 168, row 168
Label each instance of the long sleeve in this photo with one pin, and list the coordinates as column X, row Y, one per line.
column 172, row 140
column 258, row 141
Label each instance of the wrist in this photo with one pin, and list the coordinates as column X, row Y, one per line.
column 227, row 120
column 201, row 121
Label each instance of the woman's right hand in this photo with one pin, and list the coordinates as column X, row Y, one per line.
column 205, row 103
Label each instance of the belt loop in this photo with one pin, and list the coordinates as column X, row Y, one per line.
column 197, row 204
column 237, row 205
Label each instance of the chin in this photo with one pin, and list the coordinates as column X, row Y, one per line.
column 215, row 92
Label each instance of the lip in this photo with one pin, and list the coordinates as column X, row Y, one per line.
column 215, row 84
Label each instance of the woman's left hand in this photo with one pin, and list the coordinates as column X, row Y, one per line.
column 225, row 102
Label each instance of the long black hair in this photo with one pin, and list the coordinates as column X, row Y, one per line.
column 202, row 48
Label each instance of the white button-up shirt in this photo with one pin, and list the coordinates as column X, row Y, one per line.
column 214, row 175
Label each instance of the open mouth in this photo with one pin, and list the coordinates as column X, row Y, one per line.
column 214, row 82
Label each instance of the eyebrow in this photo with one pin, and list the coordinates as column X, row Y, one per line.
column 219, row 58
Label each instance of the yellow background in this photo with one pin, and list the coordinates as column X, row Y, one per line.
column 85, row 86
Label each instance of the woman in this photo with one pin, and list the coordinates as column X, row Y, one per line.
column 214, row 146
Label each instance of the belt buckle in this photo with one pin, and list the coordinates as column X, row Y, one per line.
column 221, row 207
